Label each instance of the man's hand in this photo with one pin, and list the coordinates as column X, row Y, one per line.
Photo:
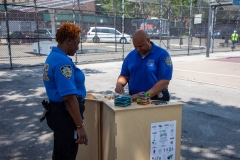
column 119, row 88
column 134, row 97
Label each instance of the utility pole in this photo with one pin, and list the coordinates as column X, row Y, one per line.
column 209, row 37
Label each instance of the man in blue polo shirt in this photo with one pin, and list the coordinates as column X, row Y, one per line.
column 148, row 68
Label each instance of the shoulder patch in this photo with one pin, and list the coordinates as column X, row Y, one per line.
column 45, row 72
column 66, row 71
column 168, row 61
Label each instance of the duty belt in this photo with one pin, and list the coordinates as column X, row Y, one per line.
column 46, row 106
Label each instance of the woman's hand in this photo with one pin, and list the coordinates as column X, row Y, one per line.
column 82, row 136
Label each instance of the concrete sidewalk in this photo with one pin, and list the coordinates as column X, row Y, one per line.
column 22, row 136
column 218, row 71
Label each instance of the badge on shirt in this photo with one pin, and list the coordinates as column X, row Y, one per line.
column 168, row 61
column 150, row 62
column 66, row 71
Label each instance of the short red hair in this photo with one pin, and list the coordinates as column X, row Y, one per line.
column 67, row 30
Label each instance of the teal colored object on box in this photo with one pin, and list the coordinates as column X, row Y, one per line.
column 122, row 100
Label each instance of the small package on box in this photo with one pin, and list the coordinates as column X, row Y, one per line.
column 122, row 100
column 143, row 98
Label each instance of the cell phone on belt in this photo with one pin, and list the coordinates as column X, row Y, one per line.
column 75, row 136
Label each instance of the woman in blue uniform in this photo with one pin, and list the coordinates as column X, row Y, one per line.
column 65, row 88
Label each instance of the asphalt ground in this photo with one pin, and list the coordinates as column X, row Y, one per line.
column 209, row 88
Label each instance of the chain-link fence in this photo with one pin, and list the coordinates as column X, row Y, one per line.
column 28, row 29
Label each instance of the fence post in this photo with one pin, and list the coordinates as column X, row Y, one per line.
column 160, row 24
column 74, row 22
column 122, row 28
column 115, row 17
column 81, row 26
column 189, row 26
column 36, row 18
column 181, row 40
column 8, row 36
column 168, row 22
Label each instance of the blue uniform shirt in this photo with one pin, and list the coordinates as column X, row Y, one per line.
column 61, row 77
column 145, row 72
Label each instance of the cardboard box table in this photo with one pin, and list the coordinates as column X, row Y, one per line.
column 124, row 133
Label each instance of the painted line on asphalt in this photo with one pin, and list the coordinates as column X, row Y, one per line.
column 215, row 84
column 207, row 73
column 113, row 47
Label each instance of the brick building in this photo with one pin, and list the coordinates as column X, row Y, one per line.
column 22, row 14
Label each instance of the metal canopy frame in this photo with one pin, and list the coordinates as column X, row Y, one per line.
column 150, row 1
column 212, row 7
column 43, row 5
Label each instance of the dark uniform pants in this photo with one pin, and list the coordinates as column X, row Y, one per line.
column 63, row 126
column 165, row 96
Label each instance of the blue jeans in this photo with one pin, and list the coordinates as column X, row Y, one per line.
column 234, row 44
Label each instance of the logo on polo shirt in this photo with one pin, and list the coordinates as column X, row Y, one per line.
column 66, row 71
column 150, row 62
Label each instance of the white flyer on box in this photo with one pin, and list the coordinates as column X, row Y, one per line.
column 163, row 140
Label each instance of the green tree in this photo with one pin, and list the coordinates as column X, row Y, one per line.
column 143, row 8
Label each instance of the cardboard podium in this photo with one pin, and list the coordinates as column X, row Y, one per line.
column 124, row 133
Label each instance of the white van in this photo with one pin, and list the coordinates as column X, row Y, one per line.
column 106, row 34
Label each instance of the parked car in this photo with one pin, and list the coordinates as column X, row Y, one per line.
column 153, row 34
column 226, row 32
column 176, row 31
column 20, row 37
column 200, row 32
column 106, row 34
column 43, row 34
column 217, row 34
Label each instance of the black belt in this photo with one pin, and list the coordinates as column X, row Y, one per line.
column 165, row 95
column 79, row 98
column 62, row 105
column 164, row 90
